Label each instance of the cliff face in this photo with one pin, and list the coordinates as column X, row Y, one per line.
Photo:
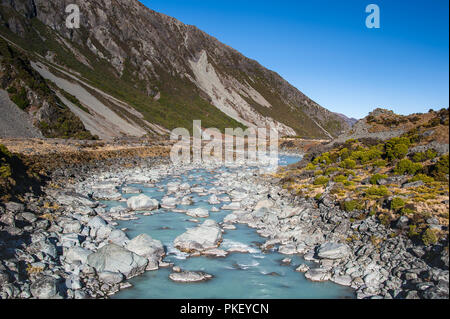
column 169, row 72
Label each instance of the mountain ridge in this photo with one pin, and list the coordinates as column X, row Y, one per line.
column 169, row 72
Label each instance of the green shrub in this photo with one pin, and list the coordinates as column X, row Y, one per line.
column 330, row 170
column 397, row 147
column 413, row 231
column 407, row 166
column 344, row 153
column 310, row 167
column 375, row 178
column 377, row 191
column 429, row 237
column 385, row 219
column 348, row 164
column 321, row 180
column 419, row 157
column 340, row 179
column 422, row 177
column 407, row 211
column 440, row 169
column 366, row 155
column 397, row 203
column 21, row 99
column 323, row 159
column 351, row 205
column 318, row 172
column 380, row 163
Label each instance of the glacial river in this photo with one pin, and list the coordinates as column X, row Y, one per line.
column 239, row 275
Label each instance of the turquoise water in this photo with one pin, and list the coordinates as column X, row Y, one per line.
column 241, row 276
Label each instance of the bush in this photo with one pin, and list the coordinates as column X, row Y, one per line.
column 330, row 170
column 310, row 167
column 344, row 153
column 429, row 237
column 380, row 191
column 422, row 177
column 407, row 166
column 397, row 147
column 375, row 178
column 380, row 163
column 321, row 180
column 21, row 99
column 351, row 205
column 397, row 203
column 318, row 172
column 348, row 164
column 340, row 179
column 407, row 211
column 323, row 159
column 440, row 169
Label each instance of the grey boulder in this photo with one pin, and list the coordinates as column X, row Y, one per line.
column 333, row 251
column 114, row 258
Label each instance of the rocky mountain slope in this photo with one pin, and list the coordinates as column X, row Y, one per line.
column 153, row 73
column 38, row 107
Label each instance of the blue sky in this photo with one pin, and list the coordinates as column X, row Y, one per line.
column 324, row 49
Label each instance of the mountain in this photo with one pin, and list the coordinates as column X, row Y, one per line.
column 350, row 120
column 132, row 71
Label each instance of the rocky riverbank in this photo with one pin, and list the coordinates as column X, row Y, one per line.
column 362, row 254
column 65, row 243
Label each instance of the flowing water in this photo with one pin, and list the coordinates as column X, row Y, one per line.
column 239, row 275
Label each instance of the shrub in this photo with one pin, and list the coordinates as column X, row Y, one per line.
column 412, row 231
column 318, row 172
column 351, row 205
column 348, row 164
column 323, row 159
column 385, row 220
column 422, row 177
column 440, row 169
column 377, row 191
column 344, row 153
column 397, row 147
column 429, row 237
column 321, row 180
column 407, row 211
column 21, row 99
column 380, row 163
column 407, row 166
column 310, row 167
column 340, row 179
column 330, row 170
column 419, row 157
column 375, row 178
column 397, row 203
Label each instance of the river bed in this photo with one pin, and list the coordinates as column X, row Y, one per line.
column 239, row 275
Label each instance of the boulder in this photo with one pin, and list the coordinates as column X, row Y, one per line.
column 189, row 276
column 318, row 274
column 142, row 202
column 118, row 237
column 145, row 246
column 333, row 251
column 114, row 258
column 206, row 236
column 74, row 254
column 345, row 280
column 44, row 288
column 265, row 203
column 198, row 213
column 110, row 278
